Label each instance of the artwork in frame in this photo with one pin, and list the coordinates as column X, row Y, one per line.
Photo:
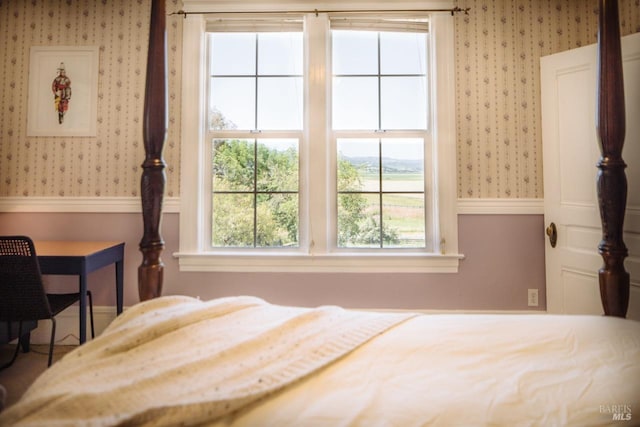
column 63, row 91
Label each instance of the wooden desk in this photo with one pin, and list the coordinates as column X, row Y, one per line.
column 80, row 258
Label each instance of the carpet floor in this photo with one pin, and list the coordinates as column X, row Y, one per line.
column 19, row 376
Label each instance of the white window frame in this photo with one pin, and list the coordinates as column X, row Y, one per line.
column 315, row 253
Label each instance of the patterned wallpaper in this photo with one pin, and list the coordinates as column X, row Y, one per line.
column 498, row 50
column 108, row 164
column 498, row 46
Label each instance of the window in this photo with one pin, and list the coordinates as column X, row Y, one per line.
column 379, row 87
column 318, row 142
column 255, row 88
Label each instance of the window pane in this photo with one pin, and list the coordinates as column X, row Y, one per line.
column 277, row 220
column 233, row 101
column 358, row 220
column 232, row 220
column 404, row 103
column 393, row 95
column 280, row 103
column 273, row 220
column 403, row 220
column 233, row 165
column 354, row 52
column 277, row 165
column 402, row 53
column 396, row 194
column 358, row 164
column 233, row 53
column 403, row 164
column 280, row 54
column 355, row 103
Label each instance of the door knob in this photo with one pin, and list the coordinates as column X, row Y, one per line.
column 552, row 232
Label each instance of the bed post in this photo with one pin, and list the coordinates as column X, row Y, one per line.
column 150, row 272
column 612, row 181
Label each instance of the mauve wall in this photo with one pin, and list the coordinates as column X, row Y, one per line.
column 504, row 256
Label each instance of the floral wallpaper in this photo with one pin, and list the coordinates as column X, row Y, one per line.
column 498, row 46
column 498, row 50
column 106, row 165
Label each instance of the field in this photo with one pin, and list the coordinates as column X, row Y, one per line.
column 401, row 212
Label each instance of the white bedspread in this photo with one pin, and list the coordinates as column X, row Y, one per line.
column 473, row 370
column 177, row 359
column 440, row 370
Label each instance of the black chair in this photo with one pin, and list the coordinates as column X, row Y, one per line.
column 22, row 294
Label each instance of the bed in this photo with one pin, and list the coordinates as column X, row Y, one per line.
column 241, row 361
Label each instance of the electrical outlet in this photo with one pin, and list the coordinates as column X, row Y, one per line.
column 532, row 297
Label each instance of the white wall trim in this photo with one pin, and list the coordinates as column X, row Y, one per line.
column 500, row 206
column 82, row 204
column 466, row 206
column 343, row 263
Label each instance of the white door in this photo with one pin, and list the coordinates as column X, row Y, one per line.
column 568, row 84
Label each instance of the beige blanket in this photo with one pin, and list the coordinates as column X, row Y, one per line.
column 181, row 361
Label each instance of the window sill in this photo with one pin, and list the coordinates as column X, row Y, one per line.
column 330, row 263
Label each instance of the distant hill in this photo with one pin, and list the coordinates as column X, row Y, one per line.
column 389, row 164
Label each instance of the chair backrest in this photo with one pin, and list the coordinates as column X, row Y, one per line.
column 22, row 294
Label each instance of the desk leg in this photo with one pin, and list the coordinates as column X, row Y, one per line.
column 119, row 285
column 83, row 306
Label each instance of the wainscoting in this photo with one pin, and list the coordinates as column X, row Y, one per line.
column 502, row 242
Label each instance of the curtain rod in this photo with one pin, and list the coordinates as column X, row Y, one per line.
column 317, row 11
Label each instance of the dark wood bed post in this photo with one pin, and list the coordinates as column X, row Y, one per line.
column 150, row 272
column 612, row 181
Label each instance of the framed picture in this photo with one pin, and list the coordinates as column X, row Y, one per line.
column 63, row 91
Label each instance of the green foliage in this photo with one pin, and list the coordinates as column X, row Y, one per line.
column 356, row 226
column 232, row 220
column 277, row 169
column 233, row 165
column 255, row 200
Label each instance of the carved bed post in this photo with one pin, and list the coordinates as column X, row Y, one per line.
column 150, row 272
column 612, row 181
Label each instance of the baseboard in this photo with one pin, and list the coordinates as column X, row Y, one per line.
column 67, row 322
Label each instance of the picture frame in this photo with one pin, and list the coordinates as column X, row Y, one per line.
column 63, row 91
